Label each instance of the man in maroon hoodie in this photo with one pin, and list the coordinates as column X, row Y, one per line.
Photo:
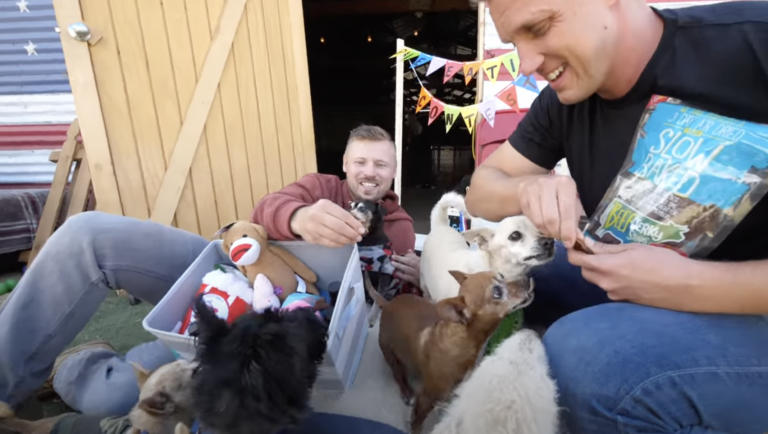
column 315, row 208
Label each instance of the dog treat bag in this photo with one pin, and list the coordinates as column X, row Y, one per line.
column 690, row 177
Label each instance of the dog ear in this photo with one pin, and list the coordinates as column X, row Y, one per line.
column 209, row 325
column 382, row 210
column 480, row 236
column 454, row 310
column 159, row 403
column 181, row 429
column 142, row 375
column 460, row 276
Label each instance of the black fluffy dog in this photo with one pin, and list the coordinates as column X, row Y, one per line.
column 256, row 375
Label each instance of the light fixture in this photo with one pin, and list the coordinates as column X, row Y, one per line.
column 322, row 40
column 415, row 33
column 369, row 38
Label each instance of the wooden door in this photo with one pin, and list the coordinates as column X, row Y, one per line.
column 190, row 110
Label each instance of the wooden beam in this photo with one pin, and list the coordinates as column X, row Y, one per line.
column 77, row 57
column 194, row 122
column 379, row 7
column 399, row 120
column 480, row 51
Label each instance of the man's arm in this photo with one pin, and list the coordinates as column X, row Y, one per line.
column 493, row 195
column 274, row 211
column 732, row 287
column 533, row 149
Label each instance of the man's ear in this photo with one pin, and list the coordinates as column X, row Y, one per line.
column 460, row 276
column 142, row 375
column 159, row 403
column 480, row 236
column 454, row 310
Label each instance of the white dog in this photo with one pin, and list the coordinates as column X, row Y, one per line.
column 511, row 249
column 510, row 392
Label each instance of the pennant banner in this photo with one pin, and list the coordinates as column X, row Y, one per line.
column 451, row 113
column 508, row 96
column 436, row 108
column 469, row 114
column 424, row 98
column 492, row 67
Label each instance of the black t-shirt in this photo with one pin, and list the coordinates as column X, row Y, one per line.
column 714, row 57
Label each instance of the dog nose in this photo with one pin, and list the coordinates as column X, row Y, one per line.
column 546, row 243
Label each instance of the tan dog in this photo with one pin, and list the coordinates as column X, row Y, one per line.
column 440, row 343
column 165, row 400
column 247, row 245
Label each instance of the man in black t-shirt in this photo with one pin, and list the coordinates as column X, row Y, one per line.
column 644, row 340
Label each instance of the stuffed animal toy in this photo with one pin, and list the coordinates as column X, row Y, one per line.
column 227, row 292
column 248, row 247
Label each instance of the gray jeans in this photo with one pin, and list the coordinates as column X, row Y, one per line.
column 90, row 254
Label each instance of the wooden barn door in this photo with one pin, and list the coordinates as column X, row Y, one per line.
column 190, row 110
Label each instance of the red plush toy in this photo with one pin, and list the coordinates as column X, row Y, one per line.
column 229, row 294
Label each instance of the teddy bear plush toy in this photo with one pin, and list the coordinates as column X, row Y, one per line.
column 249, row 249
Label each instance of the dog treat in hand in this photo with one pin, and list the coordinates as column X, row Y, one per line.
column 581, row 247
column 689, row 179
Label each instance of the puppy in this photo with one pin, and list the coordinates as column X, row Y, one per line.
column 510, row 392
column 256, row 375
column 165, row 400
column 511, row 249
column 371, row 215
column 439, row 343
column 375, row 255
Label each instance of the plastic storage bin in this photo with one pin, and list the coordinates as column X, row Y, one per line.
column 348, row 327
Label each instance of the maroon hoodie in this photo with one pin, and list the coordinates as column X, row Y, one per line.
column 274, row 211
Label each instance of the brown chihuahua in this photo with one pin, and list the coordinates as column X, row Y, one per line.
column 440, row 343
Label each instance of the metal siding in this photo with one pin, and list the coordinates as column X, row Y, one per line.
column 26, row 167
column 46, row 108
column 21, row 73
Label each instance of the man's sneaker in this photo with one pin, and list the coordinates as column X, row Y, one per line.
column 46, row 390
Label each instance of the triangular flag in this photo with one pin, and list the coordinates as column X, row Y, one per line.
column 492, row 69
column 435, row 109
column 470, row 69
column 424, row 97
column 437, row 63
column 422, row 59
column 399, row 52
column 511, row 61
column 451, row 114
column 411, row 54
column 469, row 113
column 488, row 110
column 508, row 96
column 527, row 82
column 451, row 68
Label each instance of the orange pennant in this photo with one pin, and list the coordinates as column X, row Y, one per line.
column 451, row 68
column 435, row 110
column 424, row 98
column 508, row 96
column 470, row 69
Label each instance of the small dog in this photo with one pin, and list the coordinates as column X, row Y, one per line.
column 510, row 392
column 256, row 375
column 371, row 215
column 440, row 343
column 511, row 249
column 165, row 400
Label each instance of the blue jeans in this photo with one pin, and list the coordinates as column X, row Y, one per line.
column 626, row 368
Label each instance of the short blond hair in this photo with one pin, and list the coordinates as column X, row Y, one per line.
column 369, row 133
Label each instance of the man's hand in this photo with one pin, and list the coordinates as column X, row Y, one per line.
column 552, row 204
column 327, row 224
column 638, row 273
column 408, row 267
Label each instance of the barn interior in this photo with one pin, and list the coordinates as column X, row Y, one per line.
column 353, row 79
